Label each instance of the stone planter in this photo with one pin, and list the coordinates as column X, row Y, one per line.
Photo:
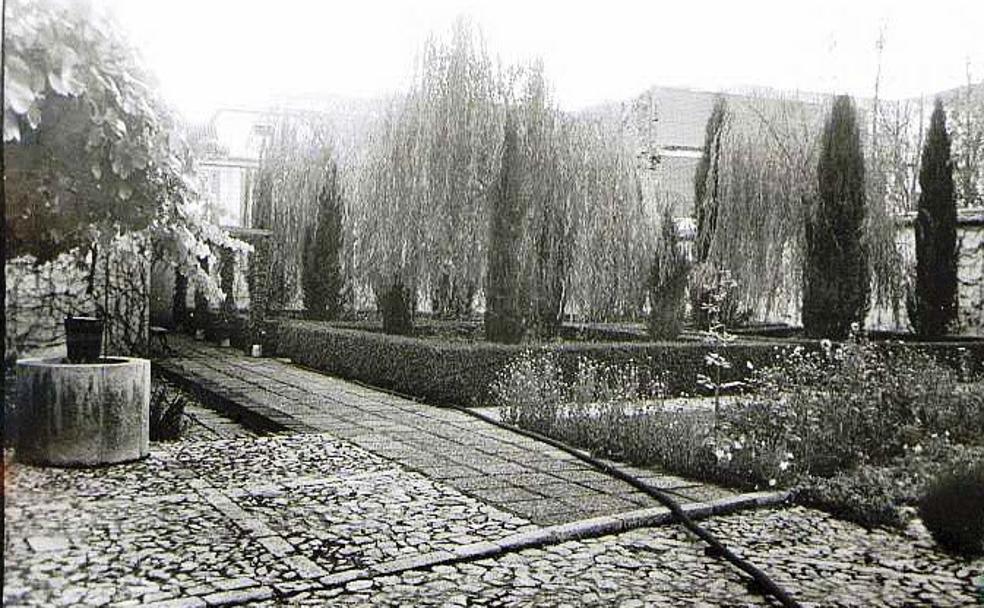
column 83, row 414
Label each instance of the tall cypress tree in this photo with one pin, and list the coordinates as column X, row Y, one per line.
column 322, row 278
column 504, row 318
column 936, row 234
column 836, row 276
column 706, row 206
column 706, row 179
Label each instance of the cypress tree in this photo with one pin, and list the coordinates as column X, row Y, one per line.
column 504, row 320
column 706, row 179
column 706, row 206
column 322, row 278
column 935, row 307
column 836, row 281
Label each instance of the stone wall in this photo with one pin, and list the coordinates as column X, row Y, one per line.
column 39, row 297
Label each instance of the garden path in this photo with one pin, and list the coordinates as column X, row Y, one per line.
column 523, row 476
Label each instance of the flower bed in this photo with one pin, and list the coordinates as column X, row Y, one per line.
column 858, row 430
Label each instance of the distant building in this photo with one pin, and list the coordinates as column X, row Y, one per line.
column 228, row 147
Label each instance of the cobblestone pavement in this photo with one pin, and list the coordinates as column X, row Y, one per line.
column 334, row 518
column 819, row 560
column 245, row 518
column 511, row 472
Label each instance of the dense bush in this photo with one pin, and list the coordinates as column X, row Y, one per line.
column 853, row 404
column 836, row 276
column 667, row 283
column 167, row 406
column 953, row 510
column 397, row 306
column 868, row 496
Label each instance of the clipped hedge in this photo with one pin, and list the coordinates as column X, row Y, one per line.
column 461, row 372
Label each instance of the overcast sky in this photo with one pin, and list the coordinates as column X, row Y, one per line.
column 210, row 53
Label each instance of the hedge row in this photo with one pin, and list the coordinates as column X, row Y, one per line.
column 461, row 372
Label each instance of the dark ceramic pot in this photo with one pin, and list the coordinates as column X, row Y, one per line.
column 83, row 337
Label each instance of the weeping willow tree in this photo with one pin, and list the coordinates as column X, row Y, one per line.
column 423, row 188
column 616, row 234
column 767, row 187
column 289, row 179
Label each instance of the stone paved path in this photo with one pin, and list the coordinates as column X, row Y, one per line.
column 511, row 472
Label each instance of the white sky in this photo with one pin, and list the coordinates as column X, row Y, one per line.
column 210, row 53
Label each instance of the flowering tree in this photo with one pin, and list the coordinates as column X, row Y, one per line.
column 94, row 162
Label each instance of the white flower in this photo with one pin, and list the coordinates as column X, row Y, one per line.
column 772, row 482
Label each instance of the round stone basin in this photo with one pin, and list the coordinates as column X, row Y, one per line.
column 83, row 414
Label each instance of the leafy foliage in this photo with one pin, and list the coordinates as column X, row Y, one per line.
column 836, row 279
column 953, row 510
column 324, row 280
column 397, row 306
column 935, row 308
column 460, row 371
column 167, row 407
column 858, row 429
column 427, row 185
column 95, row 165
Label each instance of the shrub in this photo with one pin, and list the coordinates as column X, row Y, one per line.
column 461, row 372
column 667, row 283
column 836, row 279
column 867, row 496
column 934, row 307
column 397, row 306
column 847, row 405
column 166, row 414
column 953, row 510
column 706, row 179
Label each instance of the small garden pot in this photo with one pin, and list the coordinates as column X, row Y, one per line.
column 83, row 338
column 256, row 350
